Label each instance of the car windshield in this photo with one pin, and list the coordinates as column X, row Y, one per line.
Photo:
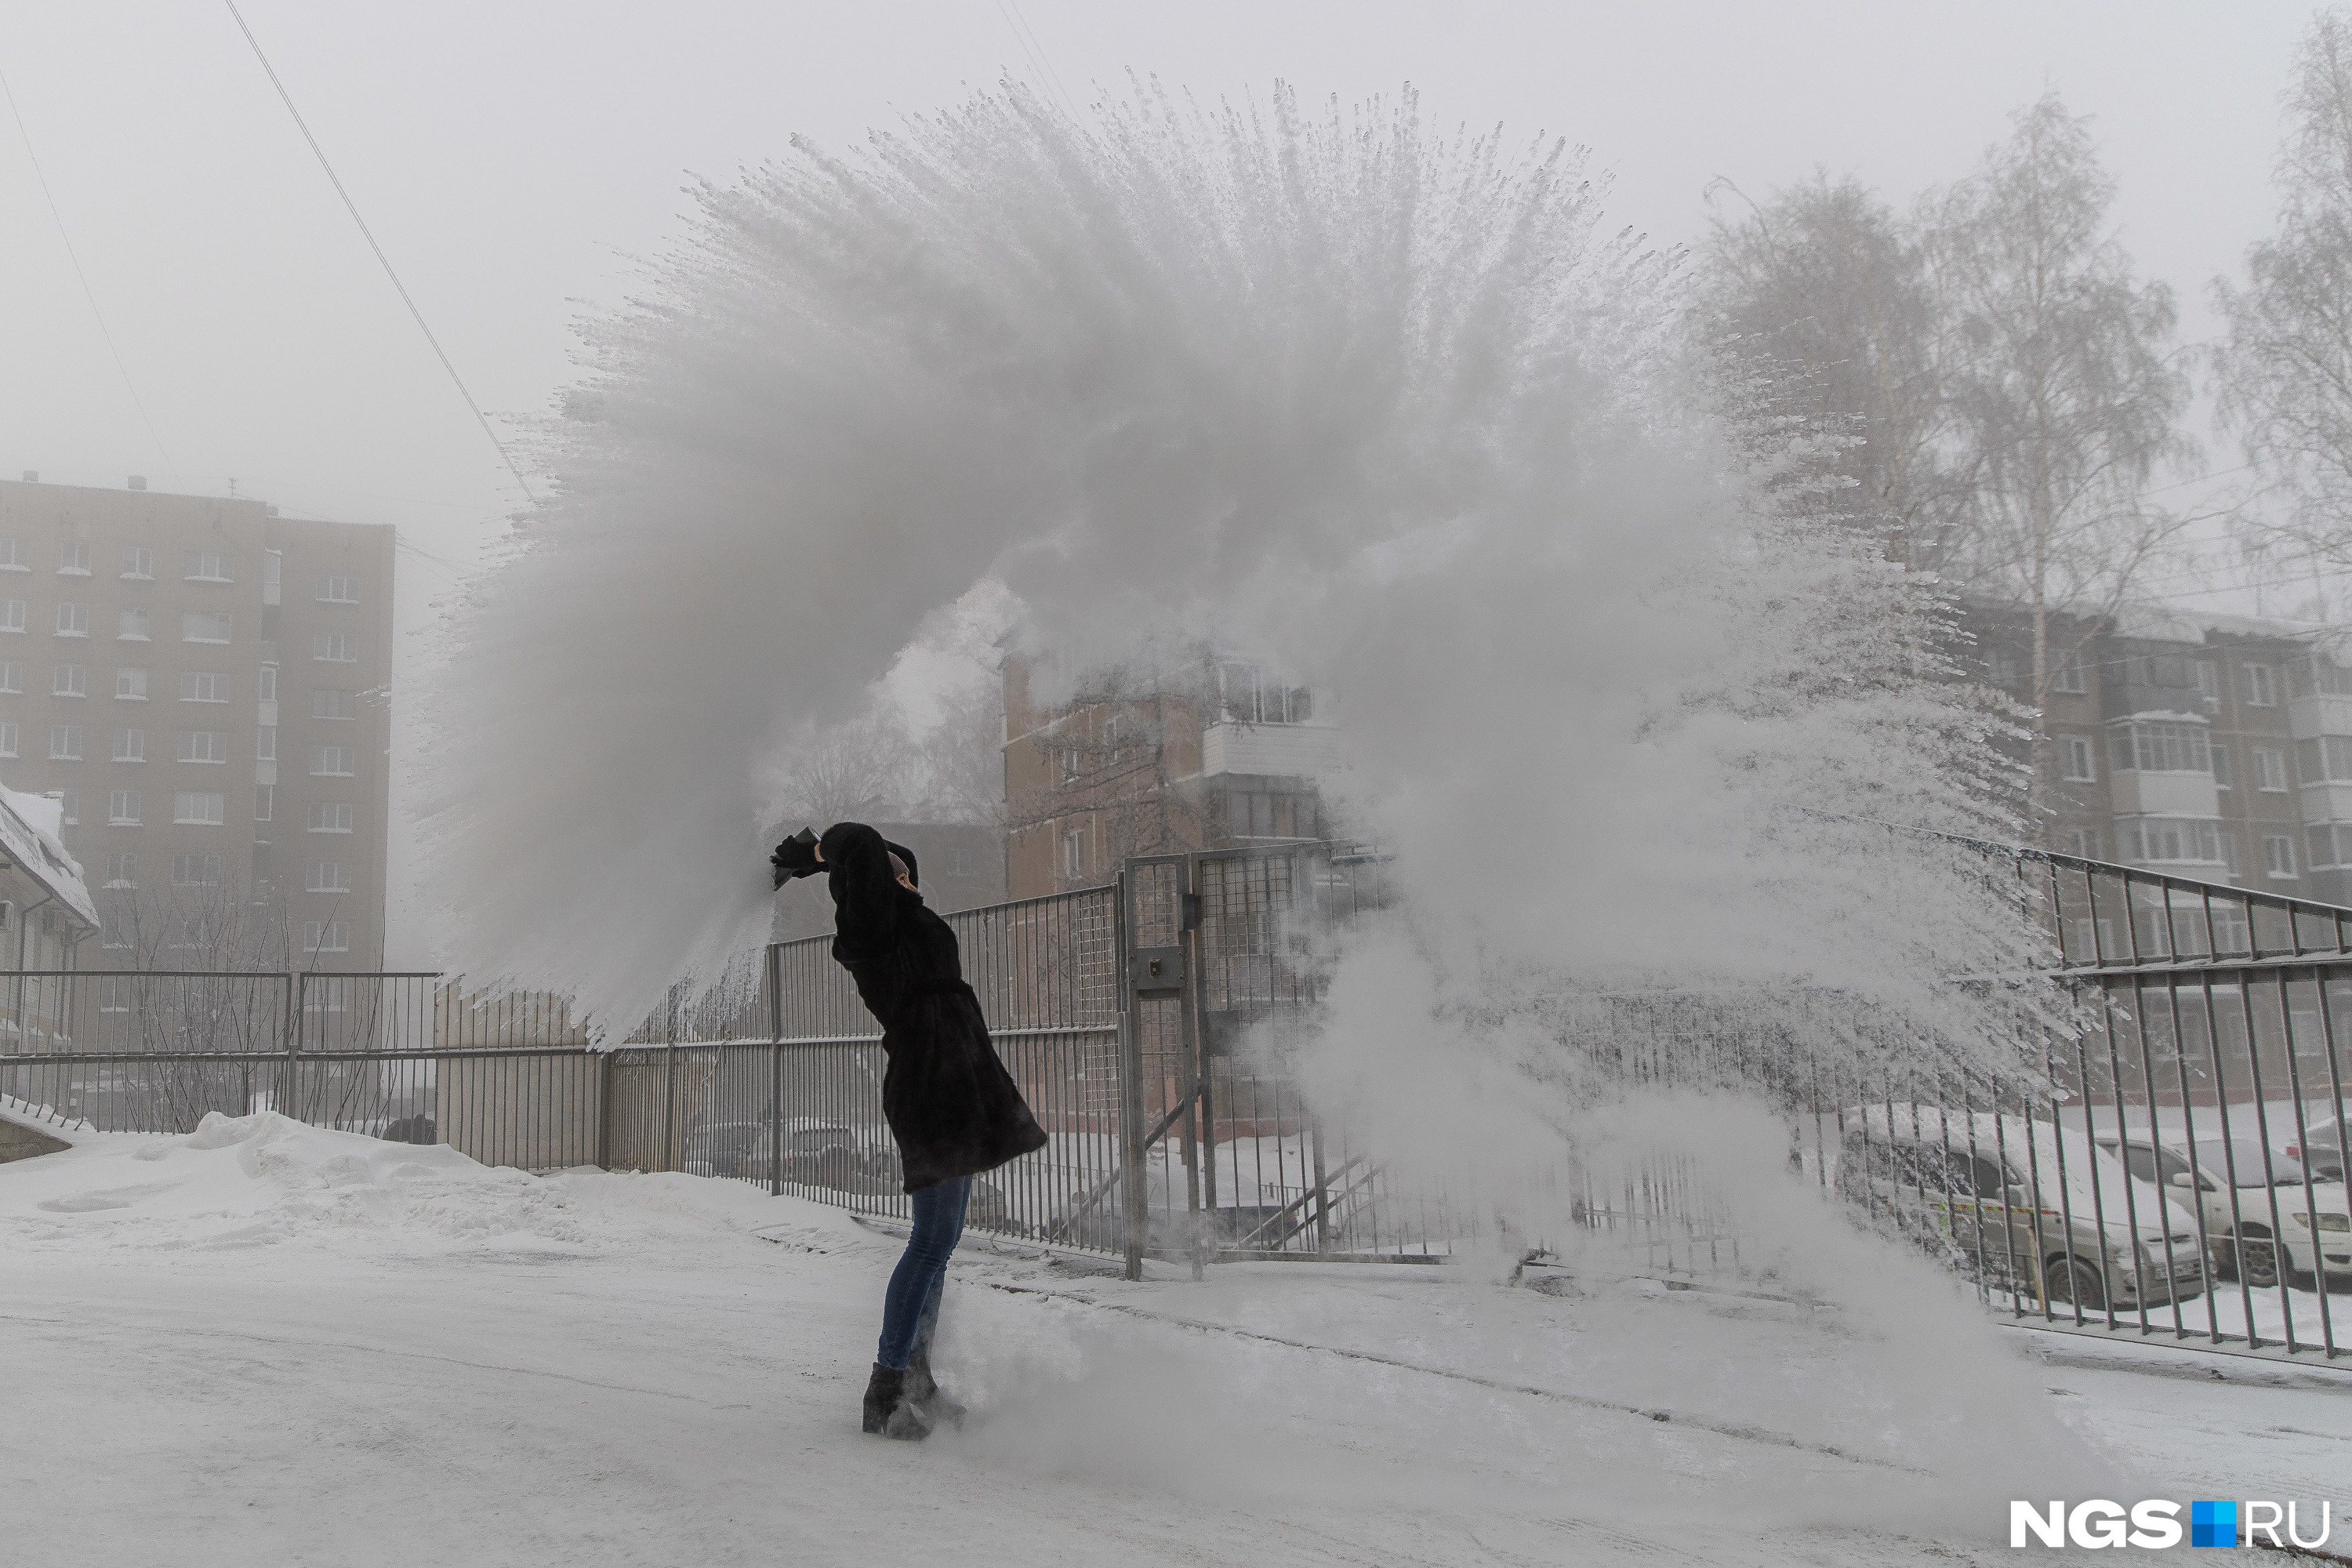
column 2217, row 1159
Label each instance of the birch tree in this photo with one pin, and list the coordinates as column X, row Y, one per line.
column 2285, row 364
column 2064, row 396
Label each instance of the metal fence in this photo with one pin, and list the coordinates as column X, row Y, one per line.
column 2168, row 1165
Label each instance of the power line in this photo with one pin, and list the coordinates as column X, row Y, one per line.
column 1027, row 36
column 353, row 207
column 87, row 292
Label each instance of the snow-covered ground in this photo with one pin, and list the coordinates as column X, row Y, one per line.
column 265, row 1342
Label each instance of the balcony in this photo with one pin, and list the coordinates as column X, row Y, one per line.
column 1271, row 750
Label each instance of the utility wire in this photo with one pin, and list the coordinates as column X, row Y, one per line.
column 1032, row 45
column 353, row 207
column 87, row 292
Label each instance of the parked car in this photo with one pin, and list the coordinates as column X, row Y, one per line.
column 832, row 1154
column 2026, row 1207
column 2241, row 1225
column 717, row 1149
column 2320, row 1149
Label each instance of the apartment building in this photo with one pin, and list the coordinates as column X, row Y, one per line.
column 202, row 684
column 2218, row 747
column 1213, row 751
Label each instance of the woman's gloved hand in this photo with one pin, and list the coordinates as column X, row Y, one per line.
column 795, row 858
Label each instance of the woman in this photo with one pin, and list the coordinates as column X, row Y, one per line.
column 952, row 1106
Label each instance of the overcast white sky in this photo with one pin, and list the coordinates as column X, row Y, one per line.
column 512, row 157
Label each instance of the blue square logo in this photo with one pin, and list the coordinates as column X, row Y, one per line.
column 2213, row 1524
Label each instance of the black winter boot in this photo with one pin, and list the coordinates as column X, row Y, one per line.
column 888, row 1411
column 924, row 1394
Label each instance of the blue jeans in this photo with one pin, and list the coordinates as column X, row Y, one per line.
column 910, row 1306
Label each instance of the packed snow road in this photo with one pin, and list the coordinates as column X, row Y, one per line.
column 264, row 1343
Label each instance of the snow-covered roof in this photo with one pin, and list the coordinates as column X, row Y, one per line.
column 29, row 827
column 2155, row 624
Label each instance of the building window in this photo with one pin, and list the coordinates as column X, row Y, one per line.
column 7, row 739
column 1073, row 853
column 1249, row 694
column 334, row 647
column 326, row 877
column 327, row 704
column 959, row 862
column 2278, row 856
column 202, row 688
column 268, row 687
column 189, row 931
column 265, row 744
column 2229, row 842
column 2219, row 753
column 12, row 678
column 130, row 685
column 122, row 871
column 2083, row 842
column 2151, row 840
column 264, row 801
column 2324, row 759
column 325, row 936
column 122, row 808
column 2209, row 683
column 273, row 570
column 131, row 623
column 12, row 614
column 70, row 806
column 2147, row 746
column 73, row 620
column 73, row 559
column 131, row 745
column 338, row 590
column 65, row 742
column 2068, row 677
column 2269, row 770
column 199, row 808
column 16, row 555
column 115, row 927
column 114, row 994
column 195, row 870
column 138, row 564
column 330, row 817
column 69, row 680
column 333, row 762
column 207, row 566
column 1071, row 764
column 2262, row 686
column 2075, row 760
column 203, row 625
column 204, row 745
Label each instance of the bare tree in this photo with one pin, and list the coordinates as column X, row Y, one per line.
column 2063, row 397
column 865, row 768
column 1820, row 298
column 963, row 755
column 2285, row 366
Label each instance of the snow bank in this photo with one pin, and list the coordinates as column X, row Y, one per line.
column 265, row 1179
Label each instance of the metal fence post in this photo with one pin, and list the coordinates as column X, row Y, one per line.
column 1130, row 1092
column 670, row 1089
column 605, row 1113
column 295, row 988
column 775, row 1070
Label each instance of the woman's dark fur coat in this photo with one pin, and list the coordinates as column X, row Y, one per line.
column 951, row 1104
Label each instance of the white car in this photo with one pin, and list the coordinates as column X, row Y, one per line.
column 2251, row 1204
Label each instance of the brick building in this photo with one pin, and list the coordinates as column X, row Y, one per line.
column 1214, row 752
column 203, row 685
column 2218, row 747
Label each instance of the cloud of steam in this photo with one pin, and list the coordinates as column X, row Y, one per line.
column 1395, row 409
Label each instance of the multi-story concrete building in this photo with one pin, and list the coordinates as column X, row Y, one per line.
column 2218, row 747
column 203, row 685
column 1213, row 752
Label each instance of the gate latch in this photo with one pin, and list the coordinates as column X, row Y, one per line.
column 1156, row 970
